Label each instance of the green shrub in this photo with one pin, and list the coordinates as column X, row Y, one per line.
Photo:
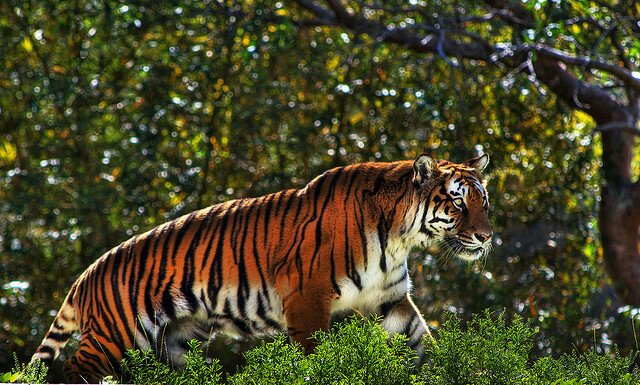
column 489, row 352
column 143, row 367
column 583, row 369
column 32, row 373
column 359, row 351
column 276, row 362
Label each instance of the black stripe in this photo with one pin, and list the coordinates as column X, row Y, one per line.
column 188, row 278
column 240, row 324
column 386, row 307
column 243, row 279
column 117, row 300
column 212, row 225
column 168, row 306
column 236, row 223
column 134, row 283
column 328, row 196
column 383, row 228
column 279, row 197
column 45, row 349
column 267, row 219
column 167, row 302
column 167, row 297
column 256, row 254
column 136, row 280
column 285, row 214
column 60, row 337
column 363, row 235
column 215, row 279
column 164, row 256
column 211, row 290
column 263, row 314
column 404, row 277
column 336, row 287
column 184, row 228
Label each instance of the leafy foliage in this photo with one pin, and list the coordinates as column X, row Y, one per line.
column 275, row 362
column 358, row 351
column 490, row 351
column 142, row 367
column 585, row 369
column 31, row 373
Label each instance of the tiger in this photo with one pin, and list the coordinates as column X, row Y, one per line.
column 280, row 263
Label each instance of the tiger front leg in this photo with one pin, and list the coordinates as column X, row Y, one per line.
column 404, row 317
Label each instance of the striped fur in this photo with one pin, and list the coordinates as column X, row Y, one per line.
column 283, row 262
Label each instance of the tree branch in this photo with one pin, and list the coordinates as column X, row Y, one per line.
column 618, row 126
column 479, row 49
column 587, row 63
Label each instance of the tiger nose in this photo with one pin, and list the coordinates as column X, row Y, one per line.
column 484, row 236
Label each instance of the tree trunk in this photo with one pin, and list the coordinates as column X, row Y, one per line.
column 620, row 204
column 620, row 241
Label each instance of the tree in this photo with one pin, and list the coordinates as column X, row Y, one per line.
column 585, row 52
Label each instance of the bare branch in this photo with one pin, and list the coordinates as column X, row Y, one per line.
column 479, row 50
column 615, row 126
column 511, row 18
column 341, row 12
column 587, row 63
column 316, row 9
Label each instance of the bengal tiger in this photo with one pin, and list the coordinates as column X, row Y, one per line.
column 283, row 262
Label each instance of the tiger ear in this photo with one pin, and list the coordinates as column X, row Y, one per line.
column 479, row 163
column 424, row 168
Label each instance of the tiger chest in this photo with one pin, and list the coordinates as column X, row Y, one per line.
column 375, row 283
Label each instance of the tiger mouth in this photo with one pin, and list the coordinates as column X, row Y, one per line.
column 471, row 254
column 463, row 251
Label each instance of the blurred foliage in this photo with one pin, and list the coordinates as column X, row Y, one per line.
column 117, row 116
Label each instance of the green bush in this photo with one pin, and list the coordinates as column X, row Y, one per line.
column 583, row 369
column 276, row 362
column 489, row 350
column 359, row 351
column 142, row 367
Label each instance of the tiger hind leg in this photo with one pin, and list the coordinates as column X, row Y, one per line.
column 306, row 313
column 173, row 341
column 90, row 362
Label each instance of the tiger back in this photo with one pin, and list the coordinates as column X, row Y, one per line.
column 283, row 262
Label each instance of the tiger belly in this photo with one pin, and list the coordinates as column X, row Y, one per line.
column 248, row 314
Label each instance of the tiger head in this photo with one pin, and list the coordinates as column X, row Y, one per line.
column 456, row 205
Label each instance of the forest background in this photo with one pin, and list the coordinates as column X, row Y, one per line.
column 117, row 116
